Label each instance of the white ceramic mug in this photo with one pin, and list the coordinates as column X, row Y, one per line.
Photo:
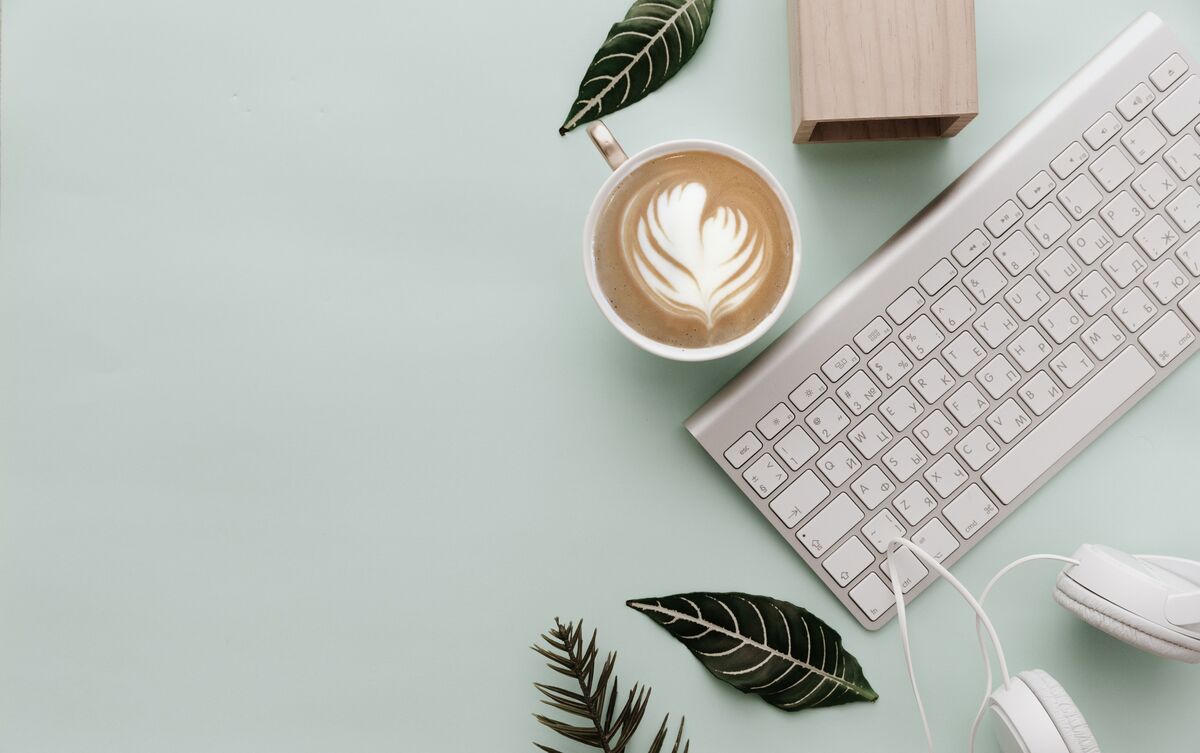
column 623, row 166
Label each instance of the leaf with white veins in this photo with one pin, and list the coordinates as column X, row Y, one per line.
column 765, row 646
column 644, row 49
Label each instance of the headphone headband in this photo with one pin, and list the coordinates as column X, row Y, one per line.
column 1162, row 590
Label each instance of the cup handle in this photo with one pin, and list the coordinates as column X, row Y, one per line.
column 612, row 152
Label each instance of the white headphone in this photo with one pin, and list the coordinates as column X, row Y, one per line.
column 1150, row 602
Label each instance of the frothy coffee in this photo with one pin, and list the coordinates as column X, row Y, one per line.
column 693, row 249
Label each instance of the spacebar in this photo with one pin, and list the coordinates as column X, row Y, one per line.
column 1054, row 437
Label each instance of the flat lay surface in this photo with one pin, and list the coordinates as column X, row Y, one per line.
column 311, row 425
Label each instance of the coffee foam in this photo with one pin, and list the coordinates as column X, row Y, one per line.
column 696, row 259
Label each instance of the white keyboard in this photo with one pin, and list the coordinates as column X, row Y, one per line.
column 1017, row 317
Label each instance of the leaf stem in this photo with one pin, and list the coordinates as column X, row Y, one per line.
column 578, row 663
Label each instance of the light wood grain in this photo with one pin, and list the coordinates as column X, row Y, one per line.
column 881, row 69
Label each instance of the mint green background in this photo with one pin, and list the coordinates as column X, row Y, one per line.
column 308, row 425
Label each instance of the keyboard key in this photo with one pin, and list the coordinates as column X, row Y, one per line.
column 936, row 539
column 937, row 277
column 859, row 392
column 1167, row 281
column 970, row 511
column 848, row 560
column 796, row 448
column 1072, row 365
column 932, row 381
column 740, row 452
column 1167, row 338
column 1091, row 242
column 872, row 335
column 1048, row 225
column 1156, row 237
column 807, row 393
column 904, row 459
column 985, row 281
column 1189, row 256
column 764, row 475
column 945, row 476
column 1190, row 305
column 795, row 502
column 953, row 309
column 963, row 353
column 872, row 597
column 969, row 248
column 1124, row 265
column 935, row 432
column 776, row 420
column 1027, row 297
column 1185, row 209
column 870, row 436
column 1169, row 72
column 909, row 570
column 1059, row 269
column 905, row 306
column 882, row 528
column 977, row 448
column 1016, row 253
column 1184, row 157
column 921, row 337
column 998, row 376
column 1032, row 193
column 890, row 365
column 1071, row 159
column 1154, row 185
column 1180, row 107
column 1002, row 219
column 1135, row 101
column 1111, row 168
column 1143, row 141
column 1103, row 337
column 995, row 325
column 1061, row 321
column 873, row 487
column 1062, row 430
column 1122, row 213
column 838, row 464
column 1080, row 197
column 829, row 525
column 1029, row 348
column 1040, row 393
column 1102, row 130
column 914, row 503
column 1135, row 310
column 827, row 420
column 1009, row 420
column 901, row 409
column 967, row 404
column 844, row 360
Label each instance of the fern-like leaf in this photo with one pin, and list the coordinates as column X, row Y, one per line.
column 596, row 714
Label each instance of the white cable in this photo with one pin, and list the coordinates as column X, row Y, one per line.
column 902, row 615
column 987, row 662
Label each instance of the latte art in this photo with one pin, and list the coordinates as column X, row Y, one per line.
column 693, row 249
column 699, row 260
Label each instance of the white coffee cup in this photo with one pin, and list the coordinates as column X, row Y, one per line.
column 623, row 166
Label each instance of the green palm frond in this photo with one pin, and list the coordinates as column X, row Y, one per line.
column 598, row 721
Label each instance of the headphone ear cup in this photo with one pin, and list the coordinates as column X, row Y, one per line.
column 1123, row 625
column 1067, row 717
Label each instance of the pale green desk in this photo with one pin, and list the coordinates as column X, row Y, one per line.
column 308, row 425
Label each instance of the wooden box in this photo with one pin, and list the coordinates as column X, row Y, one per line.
column 881, row 69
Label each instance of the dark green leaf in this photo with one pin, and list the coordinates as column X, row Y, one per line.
column 607, row 726
column 654, row 40
column 763, row 646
